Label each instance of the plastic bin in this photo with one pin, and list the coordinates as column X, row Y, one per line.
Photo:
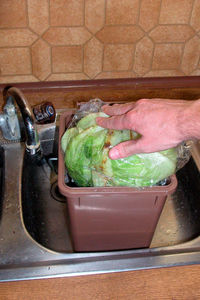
column 111, row 218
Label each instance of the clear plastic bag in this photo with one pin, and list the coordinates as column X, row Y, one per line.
column 86, row 146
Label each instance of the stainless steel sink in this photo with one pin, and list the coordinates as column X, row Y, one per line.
column 34, row 236
column 1, row 179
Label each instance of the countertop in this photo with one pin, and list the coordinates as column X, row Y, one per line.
column 166, row 283
column 163, row 284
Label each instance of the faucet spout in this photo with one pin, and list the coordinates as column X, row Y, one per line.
column 32, row 139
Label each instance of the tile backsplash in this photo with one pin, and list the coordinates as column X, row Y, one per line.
column 47, row 40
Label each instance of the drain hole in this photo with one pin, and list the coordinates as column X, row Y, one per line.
column 56, row 194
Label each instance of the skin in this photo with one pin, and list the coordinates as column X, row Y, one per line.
column 162, row 123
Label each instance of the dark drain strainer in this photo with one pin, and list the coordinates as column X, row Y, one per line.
column 56, row 194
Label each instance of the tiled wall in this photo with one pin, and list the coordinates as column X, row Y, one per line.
column 85, row 39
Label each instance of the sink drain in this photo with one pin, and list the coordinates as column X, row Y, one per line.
column 56, row 194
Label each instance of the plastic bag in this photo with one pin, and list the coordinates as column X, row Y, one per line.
column 86, row 146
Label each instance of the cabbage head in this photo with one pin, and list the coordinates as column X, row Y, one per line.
column 86, row 149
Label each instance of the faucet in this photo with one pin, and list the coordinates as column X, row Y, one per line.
column 9, row 121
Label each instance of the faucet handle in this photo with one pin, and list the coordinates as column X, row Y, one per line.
column 9, row 122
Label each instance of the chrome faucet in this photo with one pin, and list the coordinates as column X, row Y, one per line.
column 9, row 121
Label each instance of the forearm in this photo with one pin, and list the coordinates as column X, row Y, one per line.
column 189, row 121
column 161, row 123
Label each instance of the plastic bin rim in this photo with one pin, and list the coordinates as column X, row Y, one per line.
column 78, row 191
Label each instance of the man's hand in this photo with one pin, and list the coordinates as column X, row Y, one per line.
column 162, row 124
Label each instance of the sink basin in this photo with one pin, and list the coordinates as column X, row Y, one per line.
column 34, row 225
column 45, row 212
column 1, row 178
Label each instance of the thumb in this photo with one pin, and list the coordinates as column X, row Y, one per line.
column 128, row 148
column 118, row 109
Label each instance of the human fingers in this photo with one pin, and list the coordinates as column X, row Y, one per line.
column 128, row 148
column 118, row 109
column 114, row 122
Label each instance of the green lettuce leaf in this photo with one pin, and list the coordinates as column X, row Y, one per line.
column 86, row 150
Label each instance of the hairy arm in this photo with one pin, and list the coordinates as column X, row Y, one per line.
column 162, row 123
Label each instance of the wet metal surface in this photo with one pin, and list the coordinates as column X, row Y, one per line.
column 34, row 230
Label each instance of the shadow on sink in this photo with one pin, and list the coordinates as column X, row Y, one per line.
column 45, row 209
column 1, row 178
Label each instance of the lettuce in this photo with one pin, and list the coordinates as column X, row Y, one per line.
column 86, row 149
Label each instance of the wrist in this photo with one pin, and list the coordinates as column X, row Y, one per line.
column 189, row 121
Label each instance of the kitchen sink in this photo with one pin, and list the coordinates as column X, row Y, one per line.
column 44, row 209
column 1, row 178
column 35, row 240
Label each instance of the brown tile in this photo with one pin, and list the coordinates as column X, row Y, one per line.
column 13, row 13
column 143, row 56
column 41, row 59
column 93, row 55
column 18, row 78
column 38, row 22
column 67, row 76
column 171, row 33
column 167, row 56
column 110, row 75
column 67, row 35
column 118, row 57
column 15, row 61
column 67, row 59
column 94, row 14
column 66, row 12
column 195, row 18
column 122, row 12
column 191, row 55
column 195, row 72
column 149, row 13
column 164, row 73
column 120, row 34
column 175, row 12
column 16, row 37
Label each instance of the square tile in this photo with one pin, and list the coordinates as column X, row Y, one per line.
column 122, row 12
column 67, row 59
column 118, row 57
column 13, row 13
column 175, row 12
column 66, row 12
column 167, row 56
column 15, row 61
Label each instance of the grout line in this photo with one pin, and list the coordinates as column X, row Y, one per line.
column 97, row 75
column 103, row 57
column 31, row 61
column 15, row 47
column 105, row 9
column 181, row 57
column 198, row 64
column 51, row 67
column 49, row 19
column 83, row 58
column 75, row 72
column 47, row 77
column 27, row 14
column 133, row 57
column 84, row 8
column 159, row 12
column 139, row 10
column 191, row 12
column 152, row 57
column 13, row 28
column 105, row 12
column 31, row 45
column 88, row 77
column 67, row 26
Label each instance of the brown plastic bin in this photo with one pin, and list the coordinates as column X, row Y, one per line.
column 111, row 218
